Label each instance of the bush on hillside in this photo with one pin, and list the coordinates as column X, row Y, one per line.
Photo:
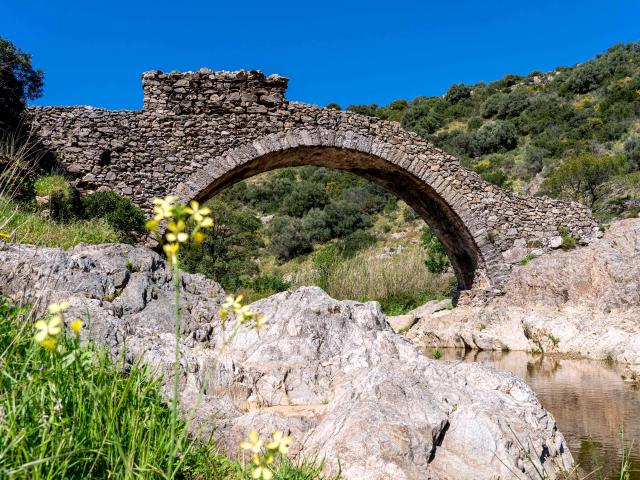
column 457, row 92
column 436, row 259
column 354, row 242
column 586, row 77
column 344, row 218
column 228, row 252
column 116, row 210
column 307, row 195
column 582, row 178
column 632, row 151
column 422, row 119
column 288, row 238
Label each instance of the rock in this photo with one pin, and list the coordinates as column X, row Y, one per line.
column 585, row 301
column 330, row 373
column 555, row 242
column 402, row 323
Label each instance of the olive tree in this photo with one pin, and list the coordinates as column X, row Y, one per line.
column 19, row 82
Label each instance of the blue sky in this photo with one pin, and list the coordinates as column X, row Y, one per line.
column 93, row 51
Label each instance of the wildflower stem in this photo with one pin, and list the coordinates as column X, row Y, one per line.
column 176, row 367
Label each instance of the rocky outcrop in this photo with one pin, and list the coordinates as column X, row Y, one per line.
column 331, row 373
column 585, row 301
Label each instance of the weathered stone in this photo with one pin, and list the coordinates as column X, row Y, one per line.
column 585, row 301
column 330, row 373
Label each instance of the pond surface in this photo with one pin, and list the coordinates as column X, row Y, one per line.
column 588, row 399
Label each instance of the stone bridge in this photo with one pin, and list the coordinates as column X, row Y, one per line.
column 201, row 132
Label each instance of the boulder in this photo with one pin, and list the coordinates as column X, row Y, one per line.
column 585, row 301
column 332, row 374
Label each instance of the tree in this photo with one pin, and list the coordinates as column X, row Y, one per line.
column 437, row 260
column 228, row 251
column 457, row 92
column 632, row 151
column 304, row 197
column 583, row 177
column 19, row 82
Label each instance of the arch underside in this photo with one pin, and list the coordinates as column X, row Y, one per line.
column 465, row 256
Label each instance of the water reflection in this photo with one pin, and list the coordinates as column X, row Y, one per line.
column 588, row 398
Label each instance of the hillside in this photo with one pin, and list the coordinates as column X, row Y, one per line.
column 570, row 133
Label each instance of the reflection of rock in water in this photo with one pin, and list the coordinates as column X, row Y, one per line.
column 588, row 398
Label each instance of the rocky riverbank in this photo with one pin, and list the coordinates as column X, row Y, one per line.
column 331, row 373
column 582, row 302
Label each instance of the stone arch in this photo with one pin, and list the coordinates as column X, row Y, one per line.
column 476, row 262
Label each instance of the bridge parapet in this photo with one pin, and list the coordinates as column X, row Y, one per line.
column 212, row 93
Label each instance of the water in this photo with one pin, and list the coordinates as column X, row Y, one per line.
column 588, row 399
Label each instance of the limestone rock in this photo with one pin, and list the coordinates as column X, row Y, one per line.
column 585, row 301
column 330, row 373
column 402, row 323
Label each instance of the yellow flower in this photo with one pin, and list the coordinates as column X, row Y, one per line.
column 197, row 214
column 279, row 443
column 76, row 325
column 152, row 226
column 49, row 343
column 48, row 328
column 262, row 473
column 261, row 321
column 177, row 233
column 56, row 308
column 198, row 237
column 207, row 222
column 171, row 251
column 163, row 207
column 254, row 443
column 231, row 303
column 4, row 235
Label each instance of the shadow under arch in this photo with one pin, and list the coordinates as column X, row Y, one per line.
column 474, row 259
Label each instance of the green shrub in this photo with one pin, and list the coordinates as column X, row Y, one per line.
column 568, row 241
column 436, row 260
column 632, row 151
column 344, row 218
column 324, row 260
column 457, row 92
column 306, row 196
column 354, row 242
column 228, row 252
column 288, row 238
column 63, row 202
column 587, row 77
column 527, row 259
column 116, row 210
column 269, row 284
column 583, row 178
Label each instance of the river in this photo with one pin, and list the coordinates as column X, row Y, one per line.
column 588, row 398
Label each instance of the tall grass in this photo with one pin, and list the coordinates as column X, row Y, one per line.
column 23, row 226
column 399, row 281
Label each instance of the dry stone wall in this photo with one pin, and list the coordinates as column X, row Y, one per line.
column 202, row 131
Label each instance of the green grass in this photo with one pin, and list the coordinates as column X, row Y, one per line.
column 401, row 303
column 52, row 185
column 76, row 414
column 527, row 259
column 24, row 226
